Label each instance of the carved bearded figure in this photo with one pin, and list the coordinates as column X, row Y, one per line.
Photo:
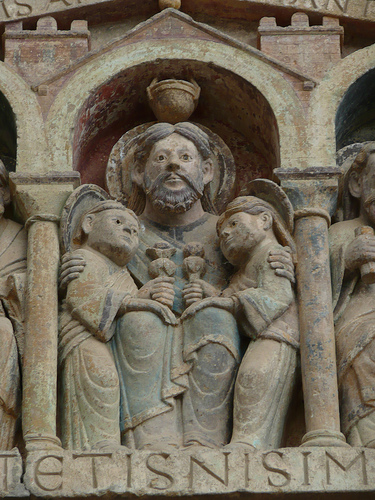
column 101, row 311
column 352, row 248
column 171, row 168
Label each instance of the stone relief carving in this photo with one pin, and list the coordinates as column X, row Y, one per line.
column 352, row 248
column 13, row 246
column 179, row 265
column 101, row 306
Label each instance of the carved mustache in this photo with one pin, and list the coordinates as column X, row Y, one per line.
column 161, row 178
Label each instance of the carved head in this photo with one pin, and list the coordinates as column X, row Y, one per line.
column 173, row 166
column 361, row 180
column 246, row 222
column 112, row 230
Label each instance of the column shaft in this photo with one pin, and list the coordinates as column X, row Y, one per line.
column 318, row 355
column 40, row 356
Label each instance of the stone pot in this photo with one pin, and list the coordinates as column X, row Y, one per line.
column 173, row 101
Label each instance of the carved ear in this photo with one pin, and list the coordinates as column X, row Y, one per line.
column 355, row 184
column 137, row 175
column 208, row 171
column 87, row 223
column 267, row 220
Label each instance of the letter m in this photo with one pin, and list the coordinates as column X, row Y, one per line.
column 360, row 457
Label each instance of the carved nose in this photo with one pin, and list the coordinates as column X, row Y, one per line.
column 173, row 166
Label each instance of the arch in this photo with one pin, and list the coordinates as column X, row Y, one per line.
column 276, row 90
column 32, row 149
column 325, row 102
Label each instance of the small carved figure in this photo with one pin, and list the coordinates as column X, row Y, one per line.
column 352, row 250
column 13, row 246
column 264, row 306
column 92, row 314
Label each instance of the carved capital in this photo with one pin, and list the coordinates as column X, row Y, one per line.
column 42, row 194
column 313, row 192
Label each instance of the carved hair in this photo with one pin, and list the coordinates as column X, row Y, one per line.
column 160, row 131
column 101, row 207
column 351, row 205
column 362, row 157
column 156, row 133
column 255, row 206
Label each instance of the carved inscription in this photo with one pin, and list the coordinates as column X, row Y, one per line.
column 153, row 465
column 93, row 457
column 146, row 473
column 331, row 459
column 48, row 473
column 211, row 473
column 356, row 9
column 282, row 477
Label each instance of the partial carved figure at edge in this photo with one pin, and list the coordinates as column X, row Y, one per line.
column 352, row 249
column 13, row 247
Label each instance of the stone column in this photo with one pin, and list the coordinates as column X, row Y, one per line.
column 40, row 200
column 313, row 194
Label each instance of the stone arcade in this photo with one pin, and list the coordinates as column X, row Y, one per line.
column 187, row 248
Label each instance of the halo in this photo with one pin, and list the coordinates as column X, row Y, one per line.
column 79, row 202
column 118, row 173
column 272, row 193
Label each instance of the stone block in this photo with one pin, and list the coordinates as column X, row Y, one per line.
column 11, row 471
column 41, row 53
column 195, row 472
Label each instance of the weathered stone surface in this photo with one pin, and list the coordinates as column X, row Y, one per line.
column 355, row 9
column 11, row 470
column 68, row 474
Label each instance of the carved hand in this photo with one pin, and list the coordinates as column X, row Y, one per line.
column 137, row 304
column 197, row 290
column 159, row 289
column 71, row 266
column 282, row 264
column 360, row 251
column 220, row 302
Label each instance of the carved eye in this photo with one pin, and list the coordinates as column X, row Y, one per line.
column 161, row 158
column 118, row 221
column 233, row 223
column 186, row 157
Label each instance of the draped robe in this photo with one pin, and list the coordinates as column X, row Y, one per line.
column 354, row 315
column 13, row 247
column 267, row 314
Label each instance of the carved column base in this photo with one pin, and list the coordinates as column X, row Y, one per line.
column 324, row 438
column 35, row 442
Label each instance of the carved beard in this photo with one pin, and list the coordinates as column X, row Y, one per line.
column 166, row 200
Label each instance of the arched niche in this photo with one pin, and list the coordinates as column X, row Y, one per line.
column 341, row 108
column 229, row 105
column 8, row 135
column 355, row 117
column 23, row 143
column 96, row 103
